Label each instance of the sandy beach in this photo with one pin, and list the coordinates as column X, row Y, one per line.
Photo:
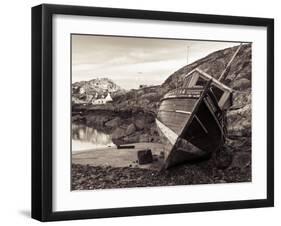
column 113, row 157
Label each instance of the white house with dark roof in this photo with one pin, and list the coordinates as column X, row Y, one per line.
column 102, row 100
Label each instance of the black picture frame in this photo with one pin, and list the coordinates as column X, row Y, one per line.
column 42, row 106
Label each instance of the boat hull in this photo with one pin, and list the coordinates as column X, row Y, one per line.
column 190, row 125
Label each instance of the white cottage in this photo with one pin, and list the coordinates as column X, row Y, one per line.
column 102, row 100
column 108, row 98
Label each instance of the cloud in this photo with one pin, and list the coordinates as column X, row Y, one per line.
column 130, row 61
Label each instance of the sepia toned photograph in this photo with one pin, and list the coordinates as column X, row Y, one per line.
column 151, row 112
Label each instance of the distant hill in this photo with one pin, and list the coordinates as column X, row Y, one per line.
column 85, row 91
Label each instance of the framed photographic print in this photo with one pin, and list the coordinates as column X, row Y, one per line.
column 145, row 112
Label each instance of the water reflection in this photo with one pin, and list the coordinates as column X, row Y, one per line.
column 85, row 138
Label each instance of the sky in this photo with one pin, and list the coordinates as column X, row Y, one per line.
column 131, row 62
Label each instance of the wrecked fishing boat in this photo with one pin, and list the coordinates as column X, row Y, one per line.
column 191, row 120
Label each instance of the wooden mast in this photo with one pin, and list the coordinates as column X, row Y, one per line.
column 225, row 71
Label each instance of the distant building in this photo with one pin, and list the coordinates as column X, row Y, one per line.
column 108, row 98
column 102, row 100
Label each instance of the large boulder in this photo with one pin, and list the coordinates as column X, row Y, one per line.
column 241, row 84
column 144, row 120
column 239, row 115
column 134, row 138
column 240, row 99
column 114, row 123
column 96, row 120
column 144, row 138
column 118, row 133
column 130, row 129
column 239, row 121
column 140, row 123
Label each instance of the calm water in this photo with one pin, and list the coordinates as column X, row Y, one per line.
column 86, row 138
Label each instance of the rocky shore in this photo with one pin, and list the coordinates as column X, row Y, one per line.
column 86, row 177
column 125, row 126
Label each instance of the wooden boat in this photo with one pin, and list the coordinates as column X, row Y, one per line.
column 190, row 119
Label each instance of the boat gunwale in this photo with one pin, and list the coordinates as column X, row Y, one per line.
column 182, row 96
column 178, row 97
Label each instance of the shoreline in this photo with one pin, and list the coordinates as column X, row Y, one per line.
column 116, row 168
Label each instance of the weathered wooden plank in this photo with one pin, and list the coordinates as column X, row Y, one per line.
column 173, row 120
column 183, row 106
column 173, row 116
column 185, row 101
